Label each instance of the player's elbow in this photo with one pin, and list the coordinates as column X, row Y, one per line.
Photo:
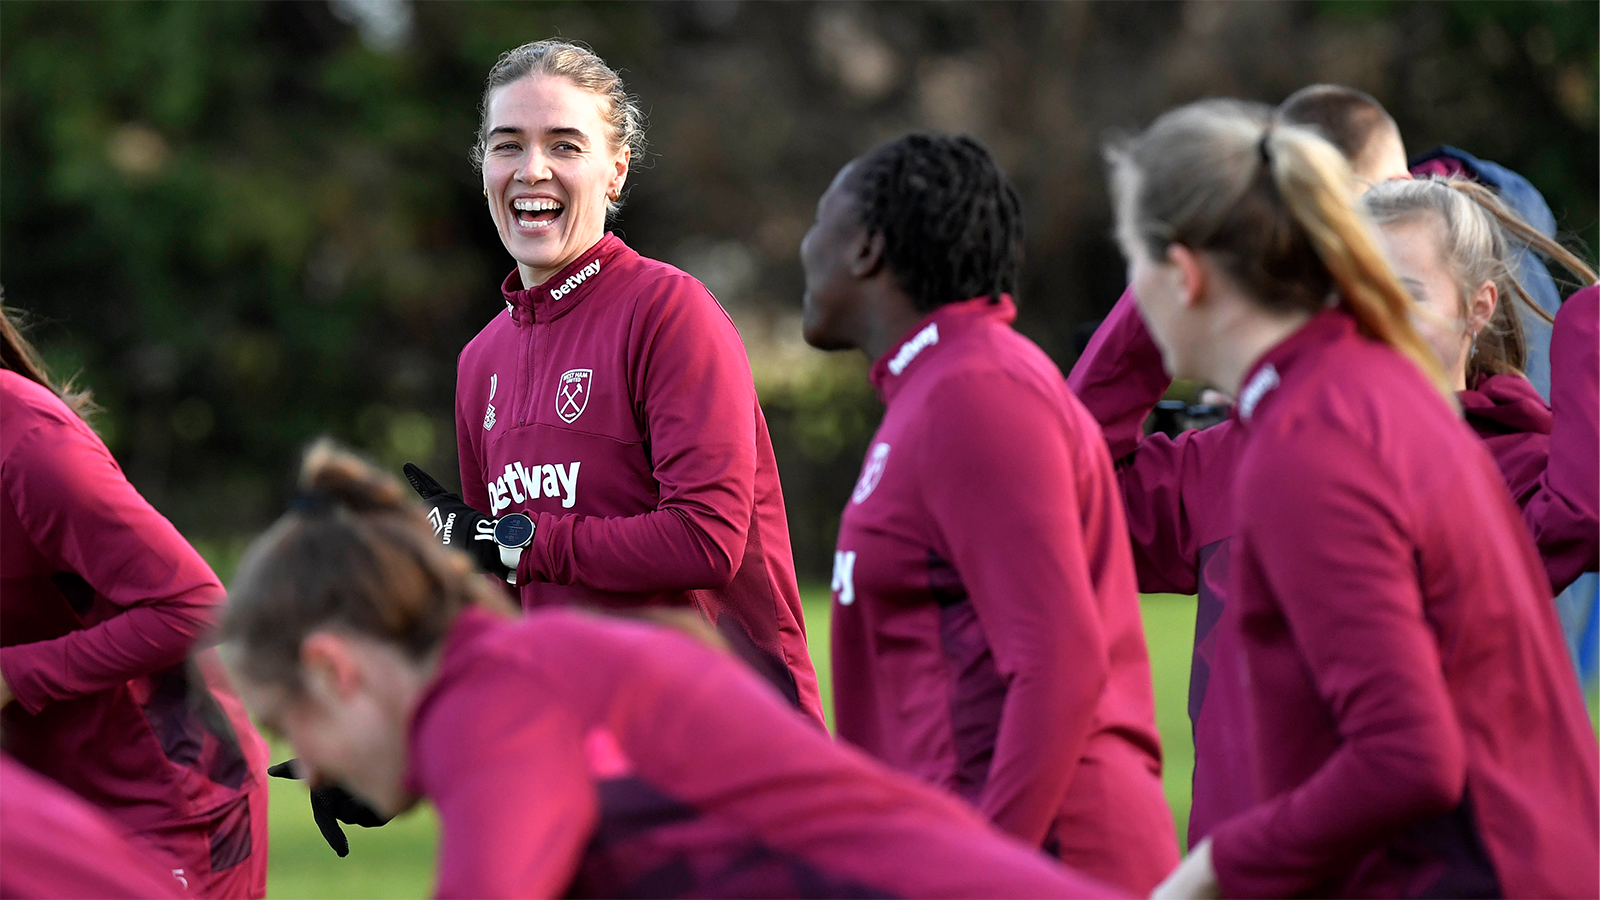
column 1427, row 777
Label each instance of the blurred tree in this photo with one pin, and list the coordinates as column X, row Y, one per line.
column 249, row 223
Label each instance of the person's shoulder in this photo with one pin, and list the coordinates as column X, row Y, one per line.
column 22, row 393
column 995, row 363
column 27, row 407
column 487, row 336
column 660, row 284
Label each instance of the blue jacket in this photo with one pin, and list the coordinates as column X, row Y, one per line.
column 1523, row 198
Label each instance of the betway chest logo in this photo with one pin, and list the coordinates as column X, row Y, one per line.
column 519, row 484
column 575, row 279
column 925, row 338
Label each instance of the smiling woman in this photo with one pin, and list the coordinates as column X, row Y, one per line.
column 611, row 401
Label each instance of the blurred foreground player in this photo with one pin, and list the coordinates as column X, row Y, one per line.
column 986, row 633
column 54, row 845
column 569, row 753
column 101, row 605
column 1417, row 726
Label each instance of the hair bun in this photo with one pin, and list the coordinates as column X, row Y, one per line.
column 331, row 473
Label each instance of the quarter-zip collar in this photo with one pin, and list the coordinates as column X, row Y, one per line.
column 563, row 290
column 893, row 368
column 1329, row 326
column 1505, row 404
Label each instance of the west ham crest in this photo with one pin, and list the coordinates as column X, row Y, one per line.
column 572, row 394
column 871, row 473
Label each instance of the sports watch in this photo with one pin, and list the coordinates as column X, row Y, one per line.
column 513, row 532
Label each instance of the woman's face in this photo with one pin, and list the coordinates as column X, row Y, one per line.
column 342, row 730
column 1158, row 288
column 548, row 168
column 1442, row 317
column 834, row 240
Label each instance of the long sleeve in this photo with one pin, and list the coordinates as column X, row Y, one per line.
column 504, row 837
column 85, row 519
column 1333, row 553
column 1169, row 486
column 1564, row 511
column 1003, row 494
column 1120, row 377
column 693, row 388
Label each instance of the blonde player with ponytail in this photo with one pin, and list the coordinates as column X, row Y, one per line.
column 1417, row 727
column 1455, row 246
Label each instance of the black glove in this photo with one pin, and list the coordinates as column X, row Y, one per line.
column 456, row 524
column 331, row 805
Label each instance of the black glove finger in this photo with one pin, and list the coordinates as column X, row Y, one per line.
column 289, row 768
column 422, row 482
column 328, row 824
column 350, row 809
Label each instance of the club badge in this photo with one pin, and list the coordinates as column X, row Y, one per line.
column 871, row 473
column 572, row 394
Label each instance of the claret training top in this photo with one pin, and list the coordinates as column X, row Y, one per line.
column 1420, row 732
column 614, row 405
column 1178, row 497
column 986, row 629
column 570, row 754
column 56, row 845
column 101, row 604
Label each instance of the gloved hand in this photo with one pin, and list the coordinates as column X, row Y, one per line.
column 331, row 805
column 456, row 524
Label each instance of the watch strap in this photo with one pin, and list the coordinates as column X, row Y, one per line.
column 511, row 557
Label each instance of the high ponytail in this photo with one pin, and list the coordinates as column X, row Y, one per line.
column 1478, row 236
column 1273, row 205
column 355, row 553
column 1315, row 183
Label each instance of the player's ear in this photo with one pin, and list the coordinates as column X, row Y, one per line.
column 867, row 255
column 1191, row 273
column 328, row 666
column 1480, row 306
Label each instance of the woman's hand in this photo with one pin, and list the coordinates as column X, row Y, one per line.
column 1193, row 879
column 5, row 692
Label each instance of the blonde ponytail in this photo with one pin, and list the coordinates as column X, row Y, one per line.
column 1271, row 204
column 1315, row 184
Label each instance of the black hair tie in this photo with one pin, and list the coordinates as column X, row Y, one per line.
column 313, row 502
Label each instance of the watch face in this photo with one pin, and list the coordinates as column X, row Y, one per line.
column 513, row 530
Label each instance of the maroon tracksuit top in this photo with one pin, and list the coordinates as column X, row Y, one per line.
column 101, row 602
column 56, row 845
column 1420, row 732
column 614, row 405
column 571, row 754
column 1177, row 494
column 986, row 629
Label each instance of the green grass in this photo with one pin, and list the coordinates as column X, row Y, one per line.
column 397, row 859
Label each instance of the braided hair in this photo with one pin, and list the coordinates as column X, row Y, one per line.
column 951, row 221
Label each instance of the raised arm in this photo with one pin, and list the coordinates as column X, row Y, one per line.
column 1120, row 378
column 84, row 518
column 1172, row 489
column 1564, row 511
column 696, row 397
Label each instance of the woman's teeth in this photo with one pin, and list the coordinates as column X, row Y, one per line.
column 531, row 212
